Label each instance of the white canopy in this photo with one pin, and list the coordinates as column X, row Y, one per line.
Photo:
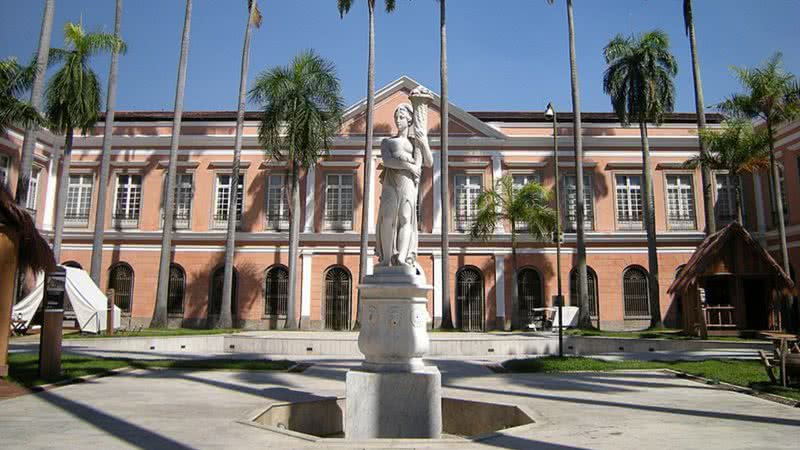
column 88, row 302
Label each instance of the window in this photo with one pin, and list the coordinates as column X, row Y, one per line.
column 217, row 285
column 469, row 299
column 5, row 165
column 33, row 191
column 79, row 200
column 176, row 289
column 591, row 285
column 128, row 201
column 337, row 299
column 629, row 202
column 725, row 204
column 635, row 293
column 277, row 202
column 468, row 188
column 184, row 191
column 339, row 202
column 570, row 197
column 276, row 291
column 519, row 181
column 784, row 203
column 222, row 200
column 680, row 202
column 120, row 279
column 529, row 291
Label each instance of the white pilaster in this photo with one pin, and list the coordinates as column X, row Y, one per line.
column 500, row 285
column 497, row 173
column 310, row 190
column 370, row 261
column 305, row 290
column 52, row 181
column 437, row 193
column 371, row 198
column 437, row 288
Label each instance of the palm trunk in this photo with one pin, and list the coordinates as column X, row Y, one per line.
column 105, row 158
column 584, row 318
column 739, row 208
column 366, row 217
column 650, row 229
column 225, row 316
column 776, row 197
column 515, row 313
column 708, row 200
column 294, row 243
column 447, row 318
column 29, row 141
column 63, row 189
column 160, row 311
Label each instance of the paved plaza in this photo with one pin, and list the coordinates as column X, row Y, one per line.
column 202, row 409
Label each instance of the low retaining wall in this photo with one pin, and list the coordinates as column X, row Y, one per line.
column 174, row 344
column 596, row 345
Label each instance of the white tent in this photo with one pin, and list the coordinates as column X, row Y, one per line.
column 88, row 302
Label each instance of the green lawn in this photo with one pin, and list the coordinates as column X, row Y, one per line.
column 154, row 332
column 739, row 372
column 24, row 367
column 665, row 333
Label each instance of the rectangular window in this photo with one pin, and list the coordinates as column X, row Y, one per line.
column 79, row 200
column 277, row 202
column 629, row 202
column 339, row 202
column 570, row 199
column 33, row 191
column 518, row 181
column 222, row 200
column 128, row 201
column 184, row 191
column 5, row 165
column 784, row 202
column 680, row 202
column 725, row 203
column 468, row 188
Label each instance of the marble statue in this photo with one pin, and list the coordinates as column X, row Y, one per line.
column 404, row 155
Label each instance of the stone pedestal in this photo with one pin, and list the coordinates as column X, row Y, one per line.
column 393, row 394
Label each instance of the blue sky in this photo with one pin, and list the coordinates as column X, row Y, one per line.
column 509, row 57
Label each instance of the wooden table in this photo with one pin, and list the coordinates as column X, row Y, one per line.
column 783, row 344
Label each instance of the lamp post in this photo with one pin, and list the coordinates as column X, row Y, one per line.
column 550, row 114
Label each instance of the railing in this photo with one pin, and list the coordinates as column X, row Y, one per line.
column 77, row 220
column 684, row 223
column 463, row 222
column 125, row 220
column 720, row 316
column 630, row 224
column 339, row 221
column 220, row 220
column 181, row 221
column 277, row 222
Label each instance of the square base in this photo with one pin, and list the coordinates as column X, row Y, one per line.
column 394, row 405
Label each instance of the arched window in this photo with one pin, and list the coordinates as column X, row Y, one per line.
column 73, row 264
column 176, row 289
column 337, row 299
column 120, row 279
column 635, row 294
column 591, row 284
column 276, row 291
column 469, row 299
column 529, row 292
column 217, row 279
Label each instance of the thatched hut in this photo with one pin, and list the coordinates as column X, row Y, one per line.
column 21, row 248
column 731, row 284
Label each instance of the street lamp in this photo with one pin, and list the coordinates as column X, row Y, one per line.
column 550, row 114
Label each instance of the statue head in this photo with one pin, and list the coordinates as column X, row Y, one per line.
column 403, row 116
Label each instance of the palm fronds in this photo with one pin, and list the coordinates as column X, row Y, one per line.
column 527, row 205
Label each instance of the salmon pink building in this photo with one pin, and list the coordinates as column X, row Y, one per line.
column 483, row 147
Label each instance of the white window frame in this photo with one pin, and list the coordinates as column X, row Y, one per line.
column 726, row 193
column 628, row 223
column 339, row 221
column 79, row 204
column 462, row 222
column 277, row 199
column 179, row 223
column 33, row 190
column 5, row 168
column 132, row 216
column 518, row 180
column 219, row 222
column 685, row 217
column 570, row 201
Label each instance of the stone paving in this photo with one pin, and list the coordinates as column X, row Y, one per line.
column 199, row 409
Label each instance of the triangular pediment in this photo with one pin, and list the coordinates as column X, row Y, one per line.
column 462, row 123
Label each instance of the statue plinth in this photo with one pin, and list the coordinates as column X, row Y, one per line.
column 393, row 394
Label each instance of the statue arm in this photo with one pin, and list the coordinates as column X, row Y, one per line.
column 391, row 162
column 425, row 150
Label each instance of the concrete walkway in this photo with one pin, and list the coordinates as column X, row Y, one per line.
column 183, row 409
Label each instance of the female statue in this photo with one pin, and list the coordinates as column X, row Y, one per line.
column 403, row 155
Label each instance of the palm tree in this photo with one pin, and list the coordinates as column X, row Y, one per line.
column 302, row 111
column 705, row 172
column 773, row 96
column 639, row 81
column 366, row 215
column 15, row 79
column 105, row 158
column 160, row 311
column 444, row 173
column 584, row 317
column 527, row 206
column 29, row 141
column 72, row 100
column 737, row 148
column 225, row 319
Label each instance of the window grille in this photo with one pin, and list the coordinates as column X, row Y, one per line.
column 128, row 201
column 121, row 280
column 222, row 201
column 529, row 292
column 277, row 202
column 5, row 165
column 636, row 296
column 217, row 284
column 276, row 292
column 339, row 202
column 725, row 205
column 518, row 182
column 629, row 202
column 184, row 191
column 176, row 289
column 570, row 200
column 469, row 299
column 680, row 202
column 591, row 285
column 468, row 188
column 337, row 299
column 79, row 200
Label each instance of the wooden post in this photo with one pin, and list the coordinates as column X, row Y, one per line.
column 50, row 339
column 110, row 313
column 8, row 269
column 784, row 352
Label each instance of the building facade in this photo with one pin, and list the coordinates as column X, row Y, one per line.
column 483, row 147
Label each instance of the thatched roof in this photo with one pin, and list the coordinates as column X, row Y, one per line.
column 709, row 249
column 35, row 253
